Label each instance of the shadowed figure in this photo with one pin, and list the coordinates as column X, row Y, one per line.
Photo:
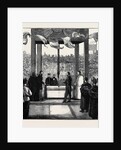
column 93, row 106
column 68, row 83
column 26, row 98
column 40, row 84
column 85, row 88
column 32, row 83
column 48, row 80
column 54, row 80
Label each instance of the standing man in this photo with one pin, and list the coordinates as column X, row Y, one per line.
column 85, row 89
column 77, row 84
column 93, row 107
column 48, row 82
column 32, row 83
column 40, row 85
column 68, row 83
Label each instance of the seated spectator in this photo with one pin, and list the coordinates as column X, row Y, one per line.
column 48, row 80
column 54, row 80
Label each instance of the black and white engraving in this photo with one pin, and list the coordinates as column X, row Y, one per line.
column 60, row 73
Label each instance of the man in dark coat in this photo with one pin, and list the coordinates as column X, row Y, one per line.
column 84, row 104
column 68, row 83
column 93, row 108
column 32, row 83
column 54, row 80
column 40, row 85
column 48, row 80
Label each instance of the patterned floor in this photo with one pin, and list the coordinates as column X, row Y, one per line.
column 55, row 109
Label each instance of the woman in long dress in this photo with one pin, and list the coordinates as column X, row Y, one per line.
column 78, row 83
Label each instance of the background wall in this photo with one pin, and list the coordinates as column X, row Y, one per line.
column 49, row 65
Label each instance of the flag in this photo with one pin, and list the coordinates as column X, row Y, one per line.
column 76, row 35
column 67, row 42
column 43, row 39
column 47, row 32
column 25, row 37
column 55, row 45
column 94, row 36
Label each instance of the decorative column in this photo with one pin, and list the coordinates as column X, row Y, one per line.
column 39, row 57
column 76, row 60
column 58, row 64
column 76, row 68
column 86, row 54
column 33, row 55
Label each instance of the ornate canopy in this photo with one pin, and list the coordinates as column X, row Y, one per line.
column 76, row 35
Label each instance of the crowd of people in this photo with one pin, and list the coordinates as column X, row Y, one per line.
column 89, row 98
column 35, row 89
column 37, row 85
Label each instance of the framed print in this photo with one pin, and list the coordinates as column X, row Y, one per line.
column 59, row 67
column 65, row 53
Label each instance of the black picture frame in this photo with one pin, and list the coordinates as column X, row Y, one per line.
column 3, row 9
